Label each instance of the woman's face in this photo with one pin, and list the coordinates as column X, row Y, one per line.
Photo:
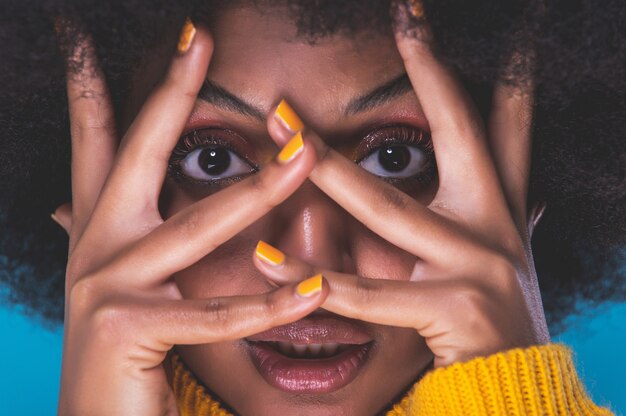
column 354, row 93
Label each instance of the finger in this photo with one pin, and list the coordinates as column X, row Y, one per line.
column 467, row 176
column 92, row 126
column 194, row 232
column 227, row 318
column 385, row 302
column 138, row 174
column 281, row 269
column 63, row 216
column 374, row 202
column 510, row 125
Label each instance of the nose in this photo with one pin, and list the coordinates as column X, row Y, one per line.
column 313, row 228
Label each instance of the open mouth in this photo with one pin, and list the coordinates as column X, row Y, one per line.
column 307, row 351
column 314, row 355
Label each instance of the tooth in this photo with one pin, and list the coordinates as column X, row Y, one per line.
column 330, row 348
column 343, row 347
column 300, row 349
column 285, row 347
column 315, row 348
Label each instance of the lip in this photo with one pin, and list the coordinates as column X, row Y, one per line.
column 312, row 375
column 317, row 328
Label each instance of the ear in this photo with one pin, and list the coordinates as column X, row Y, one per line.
column 535, row 212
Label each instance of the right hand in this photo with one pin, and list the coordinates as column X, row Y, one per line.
column 123, row 313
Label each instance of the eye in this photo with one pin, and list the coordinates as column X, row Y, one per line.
column 214, row 163
column 210, row 156
column 400, row 155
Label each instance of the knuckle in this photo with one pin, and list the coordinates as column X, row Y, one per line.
column 367, row 290
column 113, row 323
column 394, row 200
column 82, row 292
column 471, row 299
column 187, row 223
column 502, row 270
column 218, row 312
column 322, row 151
column 73, row 272
column 262, row 185
column 271, row 304
column 259, row 183
column 173, row 83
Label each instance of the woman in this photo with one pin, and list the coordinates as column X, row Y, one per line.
column 358, row 286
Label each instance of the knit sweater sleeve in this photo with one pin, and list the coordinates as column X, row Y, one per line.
column 538, row 380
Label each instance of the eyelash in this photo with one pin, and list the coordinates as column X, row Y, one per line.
column 401, row 135
column 394, row 134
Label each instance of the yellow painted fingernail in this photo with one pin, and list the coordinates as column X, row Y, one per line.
column 270, row 255
column 186, row 36
column 293, row 148
column 417, row 9
column 310, row 286
column 289, row 117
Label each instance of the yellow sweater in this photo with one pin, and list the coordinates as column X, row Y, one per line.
column 533, row 381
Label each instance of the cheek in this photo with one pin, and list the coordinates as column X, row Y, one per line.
column 376, row 258
column 177, row 196
column 227, row 271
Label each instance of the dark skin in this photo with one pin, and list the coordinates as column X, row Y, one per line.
column 425, row 266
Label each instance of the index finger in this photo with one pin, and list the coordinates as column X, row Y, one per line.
column 145, row 150
column 466, row 172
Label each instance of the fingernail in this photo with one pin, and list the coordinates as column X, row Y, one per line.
column 268, row 254
column 56, row 219
column 290, row 119
column 186, row 36
column 310, row 286
column 293, row 148
column 416, row 8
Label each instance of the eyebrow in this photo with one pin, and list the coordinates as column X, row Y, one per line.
column 220, row 97
column 380, row 95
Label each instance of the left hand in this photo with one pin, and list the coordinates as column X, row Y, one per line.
column 473, row 291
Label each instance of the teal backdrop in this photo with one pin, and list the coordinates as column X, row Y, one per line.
column 31, row 360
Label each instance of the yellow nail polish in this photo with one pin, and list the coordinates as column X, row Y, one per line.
column 186, row 36
column 310, row 286
column 268, row 254
column 289, row 117
column 293, row 148
column 417, row 9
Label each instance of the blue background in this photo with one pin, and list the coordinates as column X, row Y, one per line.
column 31, row 359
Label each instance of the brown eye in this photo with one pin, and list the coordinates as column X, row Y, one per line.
column 396, row 161
column 394, row 158
column 213, row 163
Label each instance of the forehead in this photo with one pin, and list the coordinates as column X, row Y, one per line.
column 259, row 56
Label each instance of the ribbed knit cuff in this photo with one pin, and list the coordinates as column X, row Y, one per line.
column 192, row 397
column 532, row 381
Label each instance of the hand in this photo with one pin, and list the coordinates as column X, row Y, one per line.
column 473, row 290
column 123, row 312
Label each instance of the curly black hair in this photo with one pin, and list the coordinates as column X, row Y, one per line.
column 578, row 51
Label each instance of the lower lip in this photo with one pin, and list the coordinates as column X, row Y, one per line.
column 298, row 375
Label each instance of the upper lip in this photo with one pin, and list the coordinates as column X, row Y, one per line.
column 317, row 329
